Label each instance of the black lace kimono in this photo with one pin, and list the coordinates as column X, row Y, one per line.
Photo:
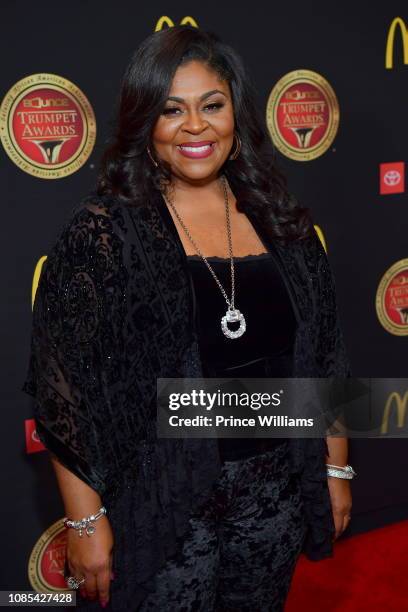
column 114, row 310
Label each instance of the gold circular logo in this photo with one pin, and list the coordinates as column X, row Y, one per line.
column 47, row 126
column 302, row 115
column 392, row 299
column 47, row 559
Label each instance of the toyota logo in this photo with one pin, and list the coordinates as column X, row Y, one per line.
column 392, row 177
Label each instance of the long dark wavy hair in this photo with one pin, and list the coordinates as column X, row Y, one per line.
column 126, row 170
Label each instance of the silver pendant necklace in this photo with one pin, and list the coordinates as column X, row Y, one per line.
column 233, row 314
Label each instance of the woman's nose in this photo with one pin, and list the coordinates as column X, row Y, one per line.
column 194, row 122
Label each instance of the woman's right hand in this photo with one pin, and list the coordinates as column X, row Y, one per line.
column 90, row 557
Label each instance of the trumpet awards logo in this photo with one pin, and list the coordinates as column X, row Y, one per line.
column 392, row 299
column 47, row 126
column 166, row 21
column 302, row 114
column 47, row 559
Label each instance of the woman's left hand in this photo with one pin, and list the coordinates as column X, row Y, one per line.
column 340, row 497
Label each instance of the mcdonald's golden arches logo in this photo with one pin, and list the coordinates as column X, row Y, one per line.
column 400, row 403
column 166, row 21
column 389, row 48
column 36, row 278
column 320, row 234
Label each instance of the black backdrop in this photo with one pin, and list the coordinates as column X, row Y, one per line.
column 89, row 43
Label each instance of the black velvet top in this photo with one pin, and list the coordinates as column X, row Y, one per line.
column 266, row 347
column 114, row 311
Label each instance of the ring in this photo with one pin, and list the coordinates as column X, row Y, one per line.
column 73, row 582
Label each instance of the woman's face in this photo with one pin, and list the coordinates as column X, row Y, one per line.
column 195, row 132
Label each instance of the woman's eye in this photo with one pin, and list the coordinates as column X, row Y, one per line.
column 214, row 106
column 174, row 110
column 170, row 111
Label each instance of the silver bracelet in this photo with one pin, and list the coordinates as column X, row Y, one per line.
column 338, row 471
column 86, row 523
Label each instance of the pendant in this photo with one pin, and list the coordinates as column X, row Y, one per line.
column 90, row 529
column 231, row 316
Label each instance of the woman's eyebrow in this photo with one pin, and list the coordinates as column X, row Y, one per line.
column 203, row 97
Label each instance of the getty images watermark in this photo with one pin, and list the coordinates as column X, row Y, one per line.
column 279, row 407
column 213, row 401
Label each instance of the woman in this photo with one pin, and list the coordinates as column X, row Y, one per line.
column 125, row 297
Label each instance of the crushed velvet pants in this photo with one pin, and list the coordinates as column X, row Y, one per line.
column 242, row 549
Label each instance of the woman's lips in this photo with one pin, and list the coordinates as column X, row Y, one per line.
column 196, row 150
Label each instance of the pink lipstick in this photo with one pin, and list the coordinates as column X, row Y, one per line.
column 196, row 150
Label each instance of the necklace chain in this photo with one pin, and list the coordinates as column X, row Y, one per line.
column 224, row 184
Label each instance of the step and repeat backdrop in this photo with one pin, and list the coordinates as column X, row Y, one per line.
column 332, row 85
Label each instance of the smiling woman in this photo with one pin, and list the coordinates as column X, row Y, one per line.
column 197, row 123
column 123, row 300
column 184, row 89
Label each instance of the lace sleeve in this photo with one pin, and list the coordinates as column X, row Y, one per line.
column 74, row 371
column 330, row 348
column 330, row 361
column 331, row 352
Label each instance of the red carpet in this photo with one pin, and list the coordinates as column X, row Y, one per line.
column 368, row 573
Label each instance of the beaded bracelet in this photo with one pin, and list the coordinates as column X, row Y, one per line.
column 86, row 523
column 339, row 471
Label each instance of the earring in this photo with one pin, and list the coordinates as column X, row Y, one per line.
column 151, row 157
column 237, row 148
